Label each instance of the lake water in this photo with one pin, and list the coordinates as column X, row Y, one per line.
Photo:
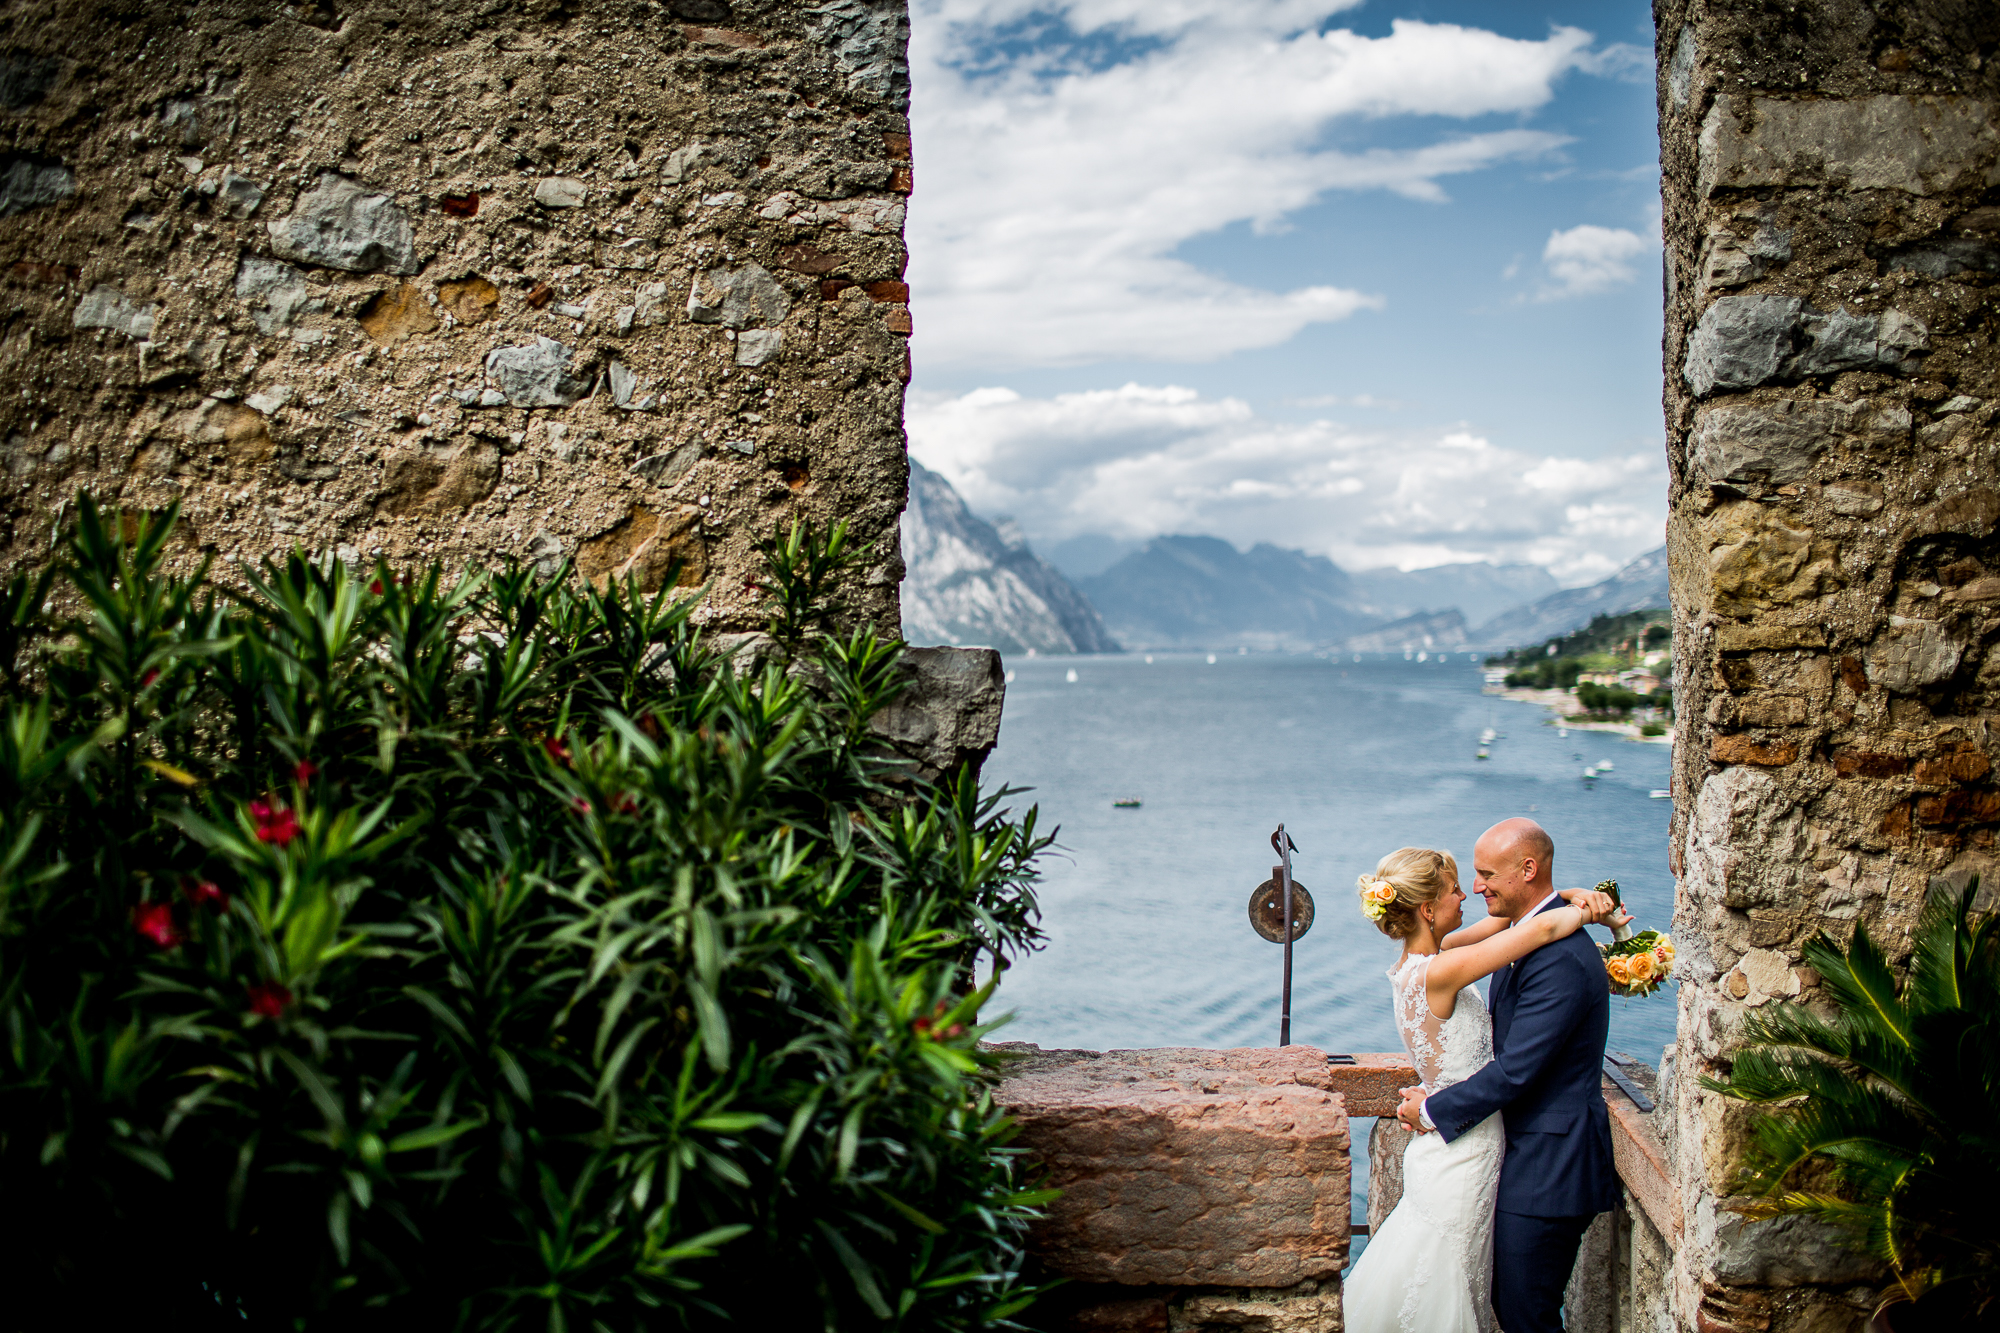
column 1147, row 910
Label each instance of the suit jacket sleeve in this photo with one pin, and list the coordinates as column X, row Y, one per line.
column 1547, row 1008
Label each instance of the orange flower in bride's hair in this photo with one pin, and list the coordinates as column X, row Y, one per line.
column 1620, row 970
column 1640, row 967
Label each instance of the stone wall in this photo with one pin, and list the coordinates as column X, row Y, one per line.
column 1832, row 225
column 611, row 279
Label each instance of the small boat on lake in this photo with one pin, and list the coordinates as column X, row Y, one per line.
column 1482, row 754
column 1660, row 794
column 1129, row 803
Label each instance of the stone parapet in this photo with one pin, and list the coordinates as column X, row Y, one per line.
column 1210, row 1186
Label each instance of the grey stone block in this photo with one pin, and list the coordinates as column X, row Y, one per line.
column 1913, row 654
column 948, row 714
column 1785, row 1251
column 1740, row 342
column 26, row 183
column 276, row 292
column 1781, row 442
column 105, row 307
column 754, row 347
column 623, row 382
column 537, row 375
column 737, row 298
column 1919, row 145
column 240, row 195
column 561, row 192
column 342, row 225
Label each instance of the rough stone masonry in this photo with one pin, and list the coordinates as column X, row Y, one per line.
column 1832, row 225
column 611, row 279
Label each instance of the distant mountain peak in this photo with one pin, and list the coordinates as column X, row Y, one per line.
column 1640, row 586
column 970, row 582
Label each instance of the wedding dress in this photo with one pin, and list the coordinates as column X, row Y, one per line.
column 1430, row 1268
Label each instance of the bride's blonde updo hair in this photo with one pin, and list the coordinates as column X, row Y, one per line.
column 1404, row 881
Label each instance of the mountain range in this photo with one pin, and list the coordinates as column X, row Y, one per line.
column 1201, row 592
column 971, row 581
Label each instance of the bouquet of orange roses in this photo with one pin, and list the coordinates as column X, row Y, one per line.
column 1635, row 962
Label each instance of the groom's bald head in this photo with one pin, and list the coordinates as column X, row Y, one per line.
column 1514, row 866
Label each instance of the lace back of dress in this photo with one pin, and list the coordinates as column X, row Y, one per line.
column 1422, row 1031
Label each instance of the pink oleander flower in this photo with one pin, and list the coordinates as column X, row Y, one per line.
column 156, row 922
column 274, row 825
column 268, row 999
column 205, row 893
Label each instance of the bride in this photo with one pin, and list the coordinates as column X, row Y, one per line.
column 1430, row 1268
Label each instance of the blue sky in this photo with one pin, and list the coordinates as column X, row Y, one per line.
column 1377, row 280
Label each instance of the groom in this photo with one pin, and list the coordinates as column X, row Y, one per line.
column 1550, row 1014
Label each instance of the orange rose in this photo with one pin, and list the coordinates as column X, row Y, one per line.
column 1640, row 967
column 1620, row 970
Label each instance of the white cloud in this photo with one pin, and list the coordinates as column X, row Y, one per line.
column 1345, row 400
column 1059, row 171
column 1587, row 259
column 1141, row 461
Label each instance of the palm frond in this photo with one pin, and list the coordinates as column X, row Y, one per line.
column 1897, row 1093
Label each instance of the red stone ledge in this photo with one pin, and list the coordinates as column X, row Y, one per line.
column 1642, row 1164
column 1374, row 1083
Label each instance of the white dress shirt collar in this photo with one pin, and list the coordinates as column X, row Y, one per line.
column 1553, row 895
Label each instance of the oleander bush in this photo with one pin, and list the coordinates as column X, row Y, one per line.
column 490, row 953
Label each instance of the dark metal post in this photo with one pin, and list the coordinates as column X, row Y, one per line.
column 1283, row 874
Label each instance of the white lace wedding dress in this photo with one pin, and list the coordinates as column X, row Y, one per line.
column 1430, row 1268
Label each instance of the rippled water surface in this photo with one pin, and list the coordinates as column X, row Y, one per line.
column 1150, row 942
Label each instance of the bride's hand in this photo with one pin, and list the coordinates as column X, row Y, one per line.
column 1597, row 908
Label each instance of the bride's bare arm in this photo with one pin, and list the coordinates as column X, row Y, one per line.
column 1473, row 934
column 1588, row 899
column 1451, row 972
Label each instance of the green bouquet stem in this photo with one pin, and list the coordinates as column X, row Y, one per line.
column 1619, row 934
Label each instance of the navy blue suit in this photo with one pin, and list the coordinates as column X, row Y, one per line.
column 1551, row 1011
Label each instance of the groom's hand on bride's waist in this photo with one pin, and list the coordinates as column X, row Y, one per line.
column 1411, row 1112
